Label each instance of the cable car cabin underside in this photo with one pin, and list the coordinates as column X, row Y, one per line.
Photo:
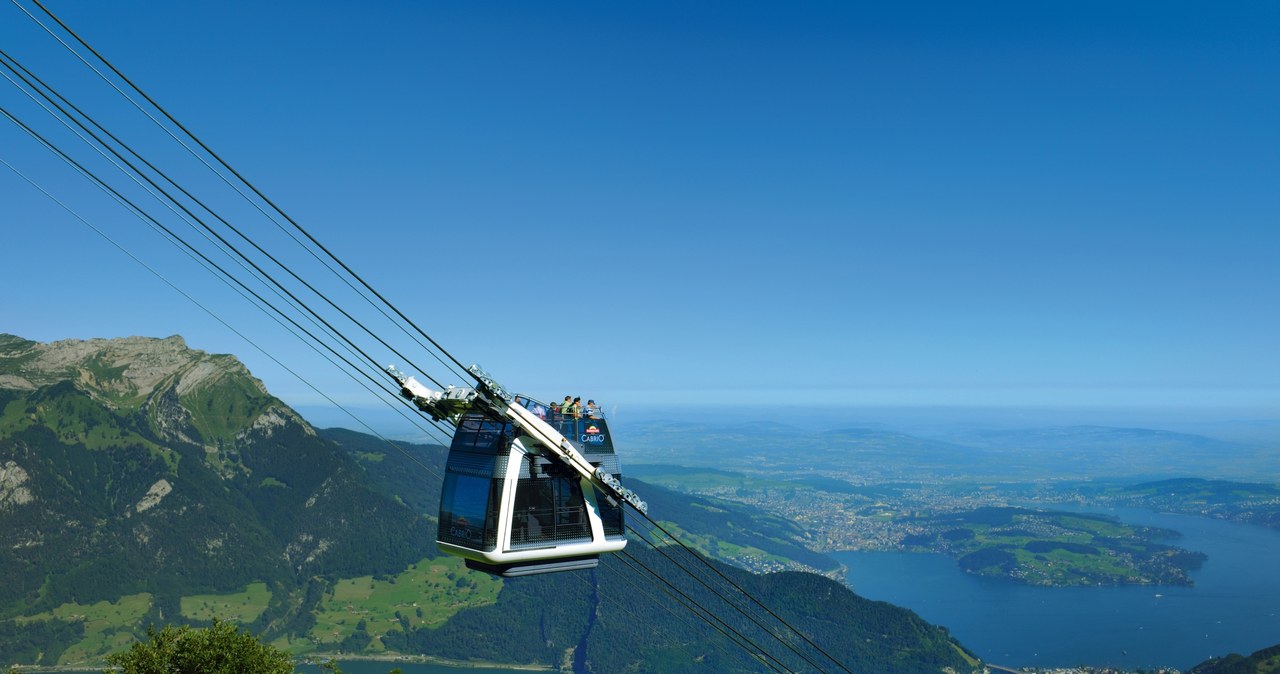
column 510, row 508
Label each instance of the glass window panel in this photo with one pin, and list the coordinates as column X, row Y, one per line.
column 466, row 517
column 549, row 510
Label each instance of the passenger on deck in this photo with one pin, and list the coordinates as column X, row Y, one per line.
column 593, row 410
column 575, row 409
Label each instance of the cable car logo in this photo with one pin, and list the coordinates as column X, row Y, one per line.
column 592, row 435
column 462, row 529
column 464, row 534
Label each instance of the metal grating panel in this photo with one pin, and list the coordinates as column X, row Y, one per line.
column 479, row 465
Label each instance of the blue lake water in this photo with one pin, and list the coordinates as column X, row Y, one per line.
column 1234, row 606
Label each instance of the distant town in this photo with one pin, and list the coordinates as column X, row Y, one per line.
column 988, row 530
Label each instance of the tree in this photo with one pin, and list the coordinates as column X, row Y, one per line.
column 220, row 649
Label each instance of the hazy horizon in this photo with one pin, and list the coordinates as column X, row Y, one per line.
column 1258, row 426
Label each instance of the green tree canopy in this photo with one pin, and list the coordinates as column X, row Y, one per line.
column 219, row 649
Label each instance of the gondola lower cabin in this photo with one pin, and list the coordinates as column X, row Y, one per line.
column 511, row 508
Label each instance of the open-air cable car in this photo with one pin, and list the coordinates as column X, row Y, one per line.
column 527, row 489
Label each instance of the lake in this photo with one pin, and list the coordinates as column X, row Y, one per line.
column 1234, row 606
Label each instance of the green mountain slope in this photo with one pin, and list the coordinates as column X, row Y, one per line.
column 409, row 471
column 616, row 619
column 1265, row 661
column 202, row 483
column 1250, row 502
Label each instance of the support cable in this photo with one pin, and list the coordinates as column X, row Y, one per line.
column 740, row 609
column 210, row 312
column 176, row 239
column 211, row 230
column 647, row 591
column 141, row 213
column 349, row 271
column 702, row 613
column 150, row 190
column 6, row 60
column 740, row 589
column 205, row 262
column 155, row 224
column 462, row 371
column 594, row 585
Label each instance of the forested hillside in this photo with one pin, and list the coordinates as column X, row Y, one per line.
column 142, row 468
column 409, row 471
column 618, row 621
column 1265, row 661
column 1252, row 502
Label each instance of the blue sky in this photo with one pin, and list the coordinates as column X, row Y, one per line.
column 711, row 203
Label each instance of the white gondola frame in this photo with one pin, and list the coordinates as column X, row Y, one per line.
column 503, row 552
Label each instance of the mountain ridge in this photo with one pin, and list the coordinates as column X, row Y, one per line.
column 179, row 388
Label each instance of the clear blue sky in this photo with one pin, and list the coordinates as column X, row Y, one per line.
column 839, row 202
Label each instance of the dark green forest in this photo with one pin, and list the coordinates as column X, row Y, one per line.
column 620, row 620
column 1265, row 661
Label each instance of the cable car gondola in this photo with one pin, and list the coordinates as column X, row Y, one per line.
column 527, row 489
column 511, row 509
